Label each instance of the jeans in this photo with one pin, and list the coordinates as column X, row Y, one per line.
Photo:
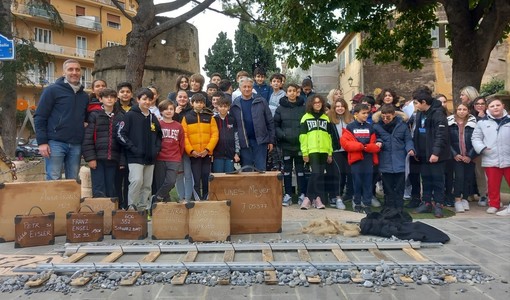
column 63, row 155
column 140, row 181
column 222, row 165
column 166, row 176
column 464, row 175
column 394, row 185
column 293, row 160
column 184, row 183
column 103, row 179
column 432, row 177
column 362, row 180
column 254, row 155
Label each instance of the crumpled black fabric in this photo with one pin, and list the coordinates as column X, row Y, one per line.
column 395, row 222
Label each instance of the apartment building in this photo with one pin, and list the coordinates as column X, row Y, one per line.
column 89, row 25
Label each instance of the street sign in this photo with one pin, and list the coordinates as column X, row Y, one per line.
column 7, row 49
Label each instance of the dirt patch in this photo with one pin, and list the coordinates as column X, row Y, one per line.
column 326, row 226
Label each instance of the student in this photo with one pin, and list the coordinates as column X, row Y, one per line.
column 170, row 156
column 211, row 89
column 100, row 148
column 94, row 102
column 140, row 135
column 225, row 87
column 307, row 88
column 215, row 78
column 370, row 102
column 227, row 150
column 287, row 120
column 155, row 101
column 277, row 94
column 397, row 143
column 125, row 96
column 260, row 86
column 338, row 173
column 490, row 140
column 359, row 140
column 478, row 109
column 201, row 136
column 214, row 100
column 432, row 145
column 316, row 148
column 196, row 85
column 184, row 182
column 461, row 125
column 181, row 83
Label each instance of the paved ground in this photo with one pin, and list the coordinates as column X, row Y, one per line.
column 476, row 238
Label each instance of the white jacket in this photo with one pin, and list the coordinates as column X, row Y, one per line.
column 489, row 135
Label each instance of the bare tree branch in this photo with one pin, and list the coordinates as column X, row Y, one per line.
column 170, row 6
column 122, row 10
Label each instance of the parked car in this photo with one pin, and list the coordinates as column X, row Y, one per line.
column 30, row 149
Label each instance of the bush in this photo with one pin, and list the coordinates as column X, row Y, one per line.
column 495, row 86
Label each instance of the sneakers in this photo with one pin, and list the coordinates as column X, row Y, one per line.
column 287, row 200
column 483, row 201
column 375, row 202
column 332, row 202
column 465, row 203
column 367, row 210
column 317, row 203
column 504, row 213
column 306, row 203
column 425, row 207
column 491, row 210
column 459, row 208
column 301, row 198
column 340, row 204
column 414, row 203
column 438, row 211
column 357, row 208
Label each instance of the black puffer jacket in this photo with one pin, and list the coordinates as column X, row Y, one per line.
column 468, row 133
column 287, row 119
column 437, row 136
column 100, row 142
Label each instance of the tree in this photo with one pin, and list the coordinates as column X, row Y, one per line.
column 394, row 30
column 14, row 72
column 250, row 52
column 219, row 58
column 145, row 28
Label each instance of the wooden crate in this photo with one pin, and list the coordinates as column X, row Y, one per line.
column 209, row 221
column 34, row 229
column 58, row 196
column 105, row 204
column 129, row 224
column 169, row 221
column 256, row 200
column 84, row 226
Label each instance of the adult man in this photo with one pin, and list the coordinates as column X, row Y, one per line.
column 256, row 127
column 59, row 123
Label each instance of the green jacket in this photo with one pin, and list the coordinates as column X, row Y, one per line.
column 314, row 136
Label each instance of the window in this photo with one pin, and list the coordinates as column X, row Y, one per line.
column 111, row 44
column 342, row 61
column 113, row 21
column 42, row 76
column 439, row 39
column 86, row 77
column 352, row 51
column 42, row 35
column 81, row 46
column 80, row 11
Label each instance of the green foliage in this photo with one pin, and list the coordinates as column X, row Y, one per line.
column 219, row 58
column 495, row 86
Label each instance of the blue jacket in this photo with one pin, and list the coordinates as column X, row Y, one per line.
column 395, row 146
column 60, row 114
column 264, row 90
column 262, row 121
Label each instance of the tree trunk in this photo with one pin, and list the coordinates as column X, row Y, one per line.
column 8, row 95
column 137, row 48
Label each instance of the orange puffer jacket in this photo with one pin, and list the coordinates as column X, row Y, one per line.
column 200, row 131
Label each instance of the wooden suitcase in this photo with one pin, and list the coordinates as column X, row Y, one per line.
column 256, row 200
column 105, row 204
column 129, row 224
column 34, row 230
column 58, row 196
column 85, row 227
column 209, row 221
column 169, row 221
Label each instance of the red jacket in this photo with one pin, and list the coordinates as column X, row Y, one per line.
column 355, row 149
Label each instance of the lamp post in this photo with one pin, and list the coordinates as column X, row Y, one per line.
column 350, row 80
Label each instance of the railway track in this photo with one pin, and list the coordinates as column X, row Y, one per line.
column 267, row 257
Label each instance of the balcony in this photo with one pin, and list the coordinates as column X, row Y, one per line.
column 41, row 81
column 86, row 22
column 64, row 51
column 110, row 3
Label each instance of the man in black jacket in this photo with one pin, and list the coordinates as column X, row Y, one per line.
column 432, row 145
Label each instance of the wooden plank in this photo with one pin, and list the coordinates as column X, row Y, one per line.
column 75, row 257
column 414, row 254
column 267, row 255
column 269, row 275
column 40, row 281
column 357, row 277
column 112, row 257
column 314, row 279
column 304, row 255
column 228, row 256
column 406, row 279
column 81, row 281
column 180, row 278
column 450, row 279
column 152, row 256
column 378, row 254
column 340, row 255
